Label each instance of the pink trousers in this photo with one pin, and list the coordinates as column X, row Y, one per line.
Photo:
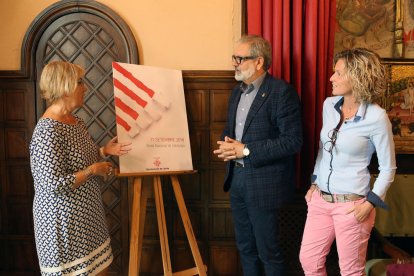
column 327, row 221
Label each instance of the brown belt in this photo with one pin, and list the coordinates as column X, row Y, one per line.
column 340, row 198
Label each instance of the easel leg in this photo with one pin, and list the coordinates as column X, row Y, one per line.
column 139, row 208
column 187, row 226
column 162, row 226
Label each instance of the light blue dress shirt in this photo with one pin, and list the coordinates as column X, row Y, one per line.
column 346, row 170
column 249, row 92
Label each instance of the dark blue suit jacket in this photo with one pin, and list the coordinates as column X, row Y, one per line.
column 273, row 134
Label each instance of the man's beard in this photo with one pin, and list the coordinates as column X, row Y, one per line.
column 244, row 75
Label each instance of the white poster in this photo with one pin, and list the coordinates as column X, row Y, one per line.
column 151, row 113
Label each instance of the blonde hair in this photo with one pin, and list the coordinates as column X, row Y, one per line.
column 367, row 74
column 59, row 78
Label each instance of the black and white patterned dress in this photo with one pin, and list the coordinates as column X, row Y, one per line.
column 70, row 229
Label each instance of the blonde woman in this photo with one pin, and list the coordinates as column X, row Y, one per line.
column 69, row 219
column 340, row 201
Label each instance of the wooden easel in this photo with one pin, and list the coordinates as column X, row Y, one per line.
column 139, row 206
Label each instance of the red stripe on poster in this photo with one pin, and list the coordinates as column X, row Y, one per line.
column 134, row 80
column 122, row 123
column 126, row 108
column 129, row 93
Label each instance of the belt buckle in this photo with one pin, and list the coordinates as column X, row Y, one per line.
column 328, row 197
column 352, row 197
column 342, row 198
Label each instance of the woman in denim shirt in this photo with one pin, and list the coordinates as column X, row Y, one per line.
column 341, row 204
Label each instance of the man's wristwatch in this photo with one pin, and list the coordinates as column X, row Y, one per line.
column 246, row 151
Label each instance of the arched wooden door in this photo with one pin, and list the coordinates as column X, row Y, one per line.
column 90, row 34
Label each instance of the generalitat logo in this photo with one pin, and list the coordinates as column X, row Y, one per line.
column 157, row 162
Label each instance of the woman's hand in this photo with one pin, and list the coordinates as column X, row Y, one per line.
column 103, row 169
column 309, row 193
column 361, row 211
column 115, row 148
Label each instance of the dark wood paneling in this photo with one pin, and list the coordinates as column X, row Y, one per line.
column 231, row 265
column 17, row 120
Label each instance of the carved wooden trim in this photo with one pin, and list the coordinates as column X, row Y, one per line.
column 209, row 76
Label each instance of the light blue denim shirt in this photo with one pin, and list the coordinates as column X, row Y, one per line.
column 346, row 170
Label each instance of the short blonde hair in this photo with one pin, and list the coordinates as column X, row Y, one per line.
column 366, row 72
column 59, row 78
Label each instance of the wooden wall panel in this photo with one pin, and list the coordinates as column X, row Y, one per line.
column 217, row 195
column 197, row 142
column 196, row 106
column 151, row 261
column 218, row 106
column 191, row 186
column 182, row 258
column 221, row 224
column 14, row 106
column 17, row 247
column 196, row 217
column 231, row 265
column 17, row 140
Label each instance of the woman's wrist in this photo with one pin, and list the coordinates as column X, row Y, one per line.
column 87, row 172
column 102, row 152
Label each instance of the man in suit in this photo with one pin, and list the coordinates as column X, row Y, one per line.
column 262, row 135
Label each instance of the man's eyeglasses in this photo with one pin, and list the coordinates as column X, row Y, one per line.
column 239, row 60
column 332, row 135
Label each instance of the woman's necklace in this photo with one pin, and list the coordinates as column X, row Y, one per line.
column 349, row 116
column 350, row 112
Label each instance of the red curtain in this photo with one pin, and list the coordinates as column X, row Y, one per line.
column 302, row 36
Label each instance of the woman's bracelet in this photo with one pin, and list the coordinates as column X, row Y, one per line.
column 102, row 153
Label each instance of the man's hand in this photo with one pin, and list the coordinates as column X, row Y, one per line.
column 229, row 149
